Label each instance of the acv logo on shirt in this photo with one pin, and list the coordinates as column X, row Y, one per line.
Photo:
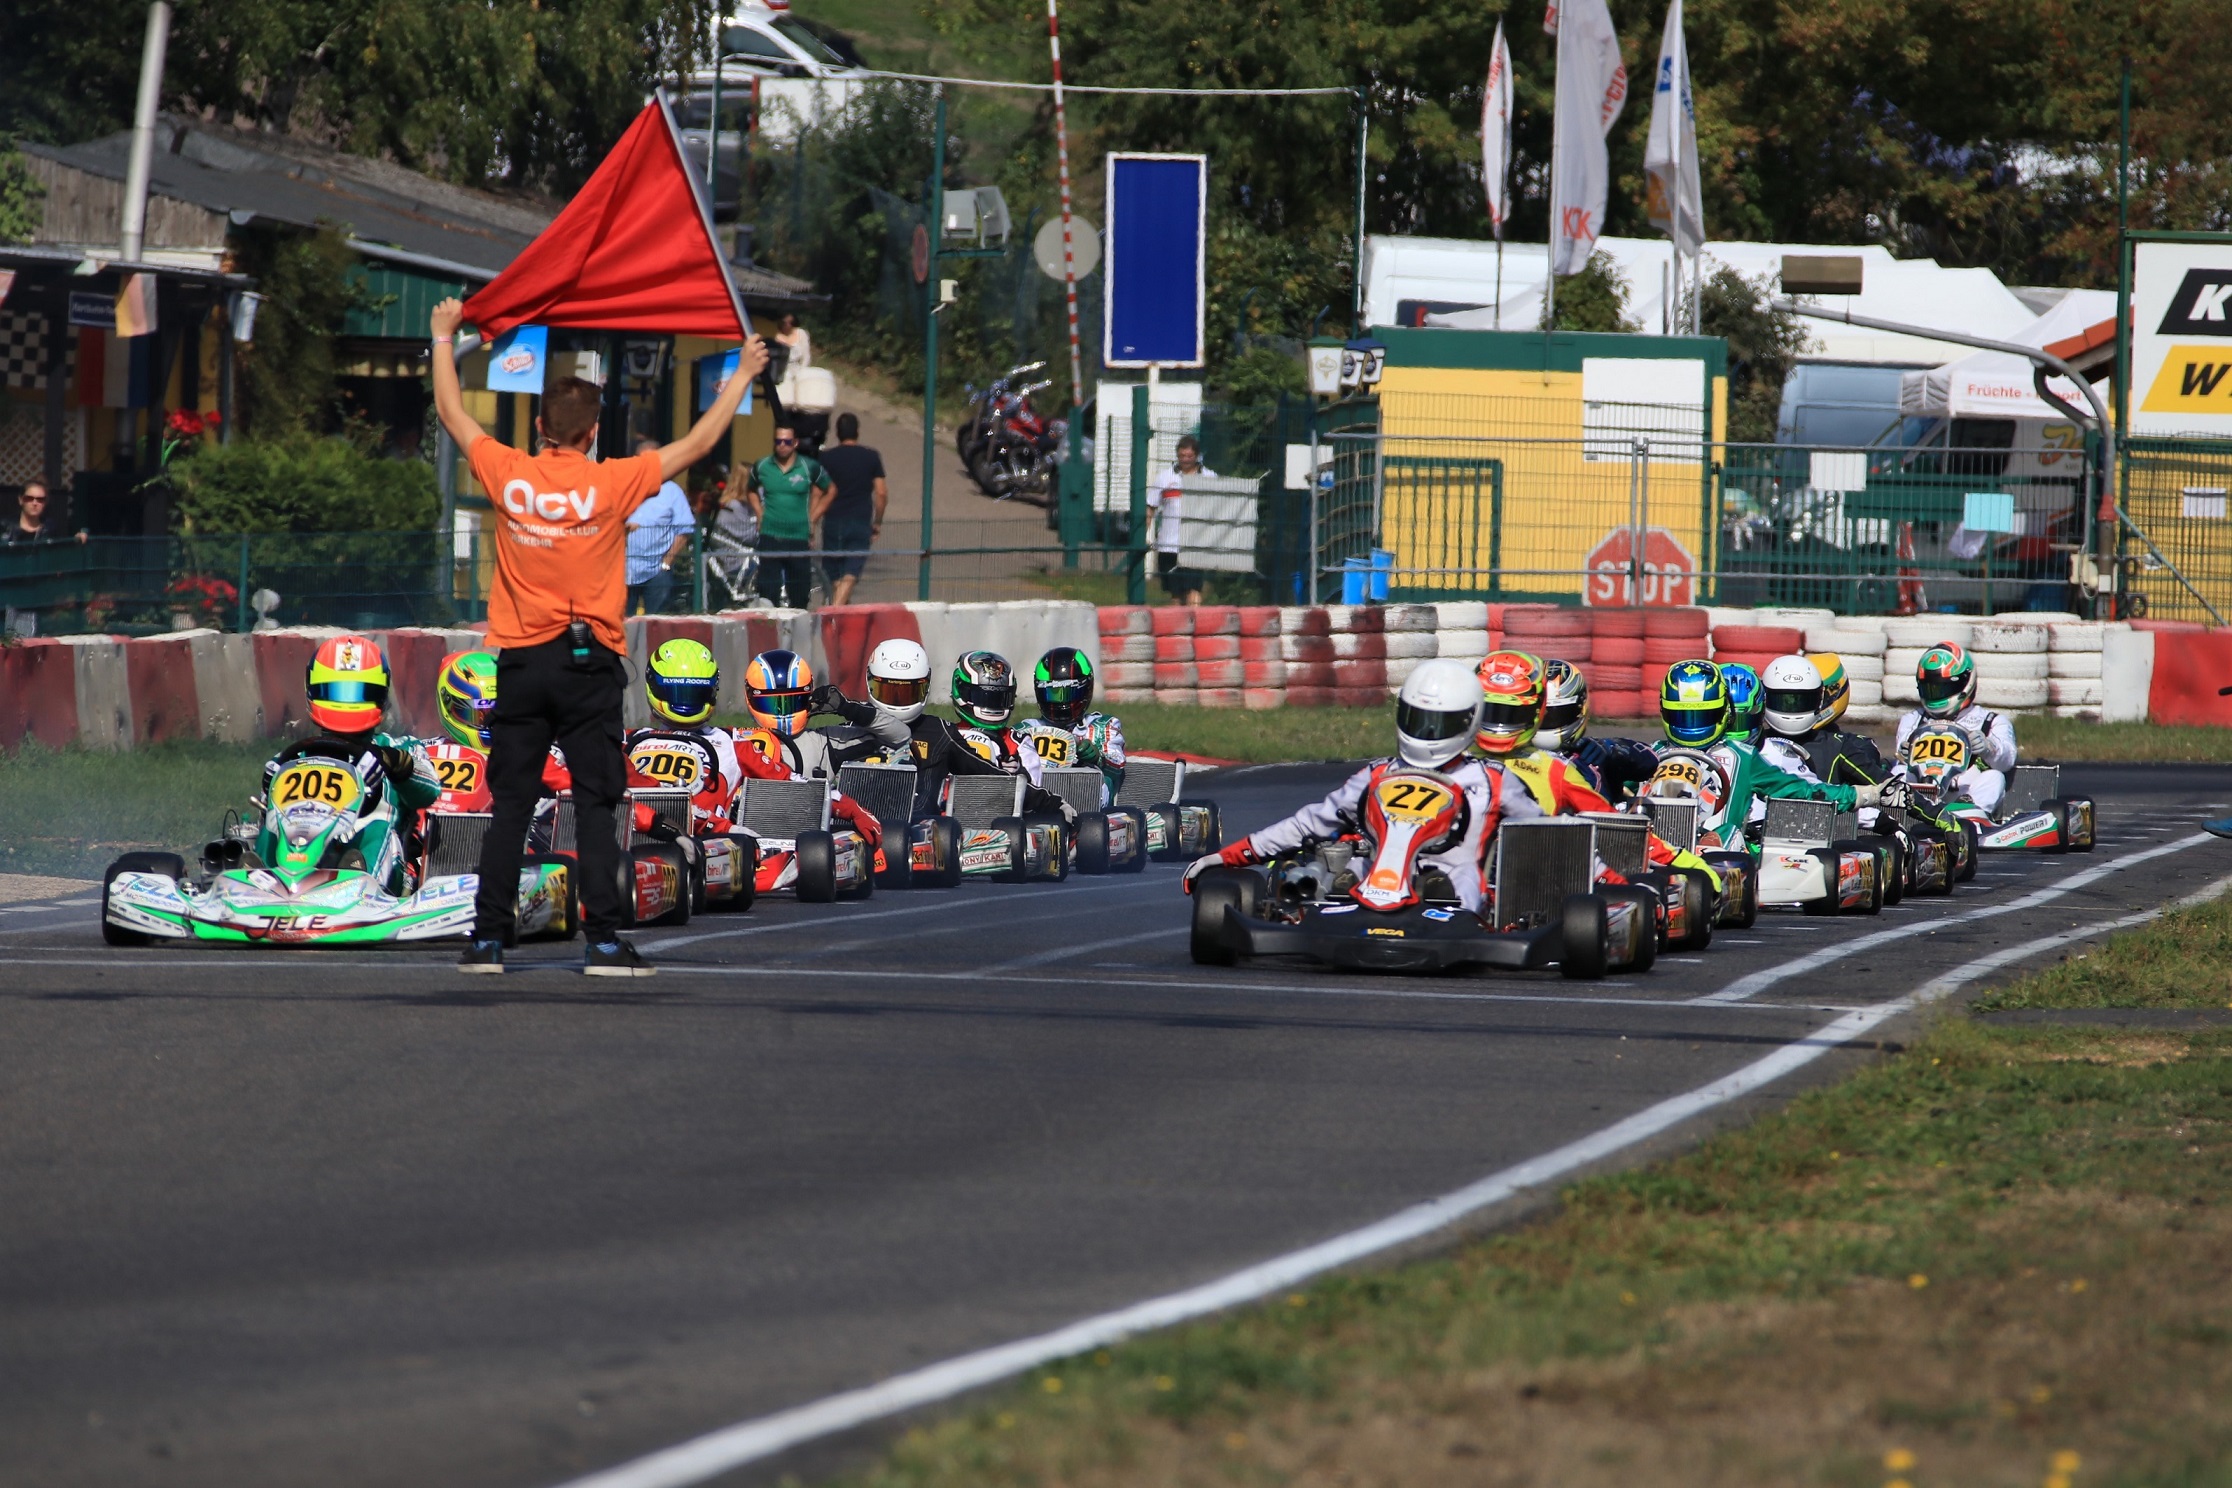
column 521, row 499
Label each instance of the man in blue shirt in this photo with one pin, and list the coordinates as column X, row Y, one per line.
column 658, row 536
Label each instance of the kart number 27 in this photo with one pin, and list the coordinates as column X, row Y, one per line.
column 1412, row 800
column 324, row 785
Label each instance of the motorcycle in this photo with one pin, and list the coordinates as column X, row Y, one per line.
column 1017, row 456
column 978, row 418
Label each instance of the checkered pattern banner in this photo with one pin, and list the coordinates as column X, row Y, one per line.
column 23, row 349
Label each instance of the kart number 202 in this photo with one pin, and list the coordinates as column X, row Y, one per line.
column 327, row 785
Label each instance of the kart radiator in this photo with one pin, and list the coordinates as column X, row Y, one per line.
column 1621, row 842
column 562, row 837
column 886, row 790
column 1675, row 822
column 1538, row 863
column 1815, row 822
column 2030, row 787
column 781, row 809
column 1150, row 782
column 1081, row 788
column 976, row 801
column 669, row 808
column 457, row 845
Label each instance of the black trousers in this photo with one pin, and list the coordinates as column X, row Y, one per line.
column 543, row 697
column 786, row 571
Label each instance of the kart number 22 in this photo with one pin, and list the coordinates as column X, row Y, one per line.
column 458, row 776
column 324, row 785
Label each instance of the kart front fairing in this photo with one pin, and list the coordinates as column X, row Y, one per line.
column 336, row 907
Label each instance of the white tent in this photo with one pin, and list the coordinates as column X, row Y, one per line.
column 1998, row 384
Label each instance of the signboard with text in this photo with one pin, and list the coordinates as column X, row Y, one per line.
column 2181, row 338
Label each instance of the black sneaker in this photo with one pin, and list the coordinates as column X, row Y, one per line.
column 482, row 957
column 615, row 958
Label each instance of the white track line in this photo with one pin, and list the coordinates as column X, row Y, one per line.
column 1745, row 988
column 731, row 1447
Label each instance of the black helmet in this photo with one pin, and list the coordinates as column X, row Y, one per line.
column 984, row 689
column 1064, row 683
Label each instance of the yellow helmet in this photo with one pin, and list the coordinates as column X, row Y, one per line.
column 1836, row 687
column 466, row 692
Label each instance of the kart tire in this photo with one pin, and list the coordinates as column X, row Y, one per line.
column 572, row 907
column 816, row 856
column 1873, row 904
column 898, row 871
column 1058, row 861
column 1137, row 863
column 2092, row 825
column 1827, row 903
column 1891, row 868
column 945, row 839
column 1965, row 870
column 1214, row 896
column 2059, row 811
column 1647, row 905
column 1697, row 899
column 696, row 866
column 1092, row 843
column 747, row 857
column 1018, row 868
column 680, row 914
column 1585, row 947
column 1174, row 845
column 169, row 865
column 1212, row 834
column 866, row 888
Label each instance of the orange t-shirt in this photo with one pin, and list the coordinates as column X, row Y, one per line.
column 561, row 540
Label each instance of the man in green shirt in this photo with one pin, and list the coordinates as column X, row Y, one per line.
column 781, row 494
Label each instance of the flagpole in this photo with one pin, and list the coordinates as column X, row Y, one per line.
column 1550, row 279
column 1069, row 254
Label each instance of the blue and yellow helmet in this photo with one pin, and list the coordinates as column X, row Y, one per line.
column 1747, row 700
column 1693, row 704
column 777, row 687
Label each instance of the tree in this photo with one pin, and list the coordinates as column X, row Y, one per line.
column 20, row 195
column 1596, row 299
column 1763, row 345
column 307, row 287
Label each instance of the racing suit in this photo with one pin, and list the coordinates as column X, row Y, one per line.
column 385, row 762
column 759, row 754
column 1831, row 756
column 1613, row 766
column 1492, row 794
column 1991, row 743
column 1097, row 742
column 1753, row 781
column 1561, row 788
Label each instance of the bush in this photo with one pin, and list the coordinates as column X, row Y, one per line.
column 300, row 484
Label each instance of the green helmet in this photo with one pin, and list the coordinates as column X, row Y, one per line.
column 1064, row 684
column 1747, row 701
column 984, row 689
column 682, row 682
column 1693, row 704
column 466, row 691
column 1946, row 679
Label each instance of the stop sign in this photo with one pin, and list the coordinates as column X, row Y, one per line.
column 1669, row 572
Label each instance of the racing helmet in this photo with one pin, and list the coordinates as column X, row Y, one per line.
column 1511, row 702
column 984, row 689
column 466, row 693
column 1946, row 678
column 1693, row 704
column 899, row 679
column 1792, row 691
column 1746, row 700
column 1437, row 712
column 1565, row 708
column 683, row 682
column 1836, row 687
column 1064, row 684
column 347, row 685
column 777, row 686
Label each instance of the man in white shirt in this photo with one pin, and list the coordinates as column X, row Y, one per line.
column 1164, row 500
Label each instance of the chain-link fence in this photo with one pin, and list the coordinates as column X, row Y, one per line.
column 2175, row 493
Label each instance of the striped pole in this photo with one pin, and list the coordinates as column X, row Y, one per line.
column 1069, row 255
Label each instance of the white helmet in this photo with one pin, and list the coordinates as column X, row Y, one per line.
column 1791, row 687
column 899, row 679
column 1436, row 713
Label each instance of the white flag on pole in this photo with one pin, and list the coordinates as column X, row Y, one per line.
column 1677, row 206
column 1495, row 134
column 1592, row 88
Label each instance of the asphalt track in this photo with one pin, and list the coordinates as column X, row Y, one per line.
column 289, row 1217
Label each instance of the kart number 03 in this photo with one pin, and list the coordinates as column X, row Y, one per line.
column 325, row 785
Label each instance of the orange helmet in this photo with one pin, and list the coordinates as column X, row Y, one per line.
column 347, row 684
column 1511, row 683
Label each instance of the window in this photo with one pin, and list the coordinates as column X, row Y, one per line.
column 812, row 47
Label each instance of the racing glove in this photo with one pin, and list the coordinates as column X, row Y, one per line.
column 826, row 699
column 372, row 766
column 1867, row 795
column 1241, row 854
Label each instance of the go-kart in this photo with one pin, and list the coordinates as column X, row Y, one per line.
column 669, row 800
column 1178, row 831
column 1810, row 857
column 2033, row 814
column 294, row 873
column 1380, row 910
column 1688, row 904
column 933, row 855
column 1682, row 802
column 999, row 839
column 802, row 845
column 1111, row 840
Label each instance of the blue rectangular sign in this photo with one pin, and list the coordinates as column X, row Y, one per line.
column 1153, row 294
column 518, row 360
column 714, row 370
column 1988, row 511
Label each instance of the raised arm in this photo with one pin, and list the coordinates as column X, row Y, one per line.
column 449, row 399
column 707, row 431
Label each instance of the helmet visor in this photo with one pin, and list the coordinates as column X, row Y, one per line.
column 686, row 697
column 1940, row 689
column 1506, row 720
column 1558, row 717
column 779, row 704
column 898, row 692
column 1068, row 692
column 351, row 691
column 993, row 701
column 1432, row 725
column 1794, row 700
column 1693, row 725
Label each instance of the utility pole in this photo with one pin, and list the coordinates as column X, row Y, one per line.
column 131, row 240
column 933, row 198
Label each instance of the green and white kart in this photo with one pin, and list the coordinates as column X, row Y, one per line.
column 295, row 873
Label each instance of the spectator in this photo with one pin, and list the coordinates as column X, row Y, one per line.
column 781, row 496
column 852, row 514
column 658, row 536
column 30, row 526
column 792, row 336
column 1163, row 504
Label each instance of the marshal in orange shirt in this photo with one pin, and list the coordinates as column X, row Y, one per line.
column 561, row 540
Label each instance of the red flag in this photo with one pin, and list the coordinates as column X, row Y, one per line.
column 633, row 251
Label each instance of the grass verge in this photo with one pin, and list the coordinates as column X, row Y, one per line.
column 1995, row 1258
column 70, row 811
